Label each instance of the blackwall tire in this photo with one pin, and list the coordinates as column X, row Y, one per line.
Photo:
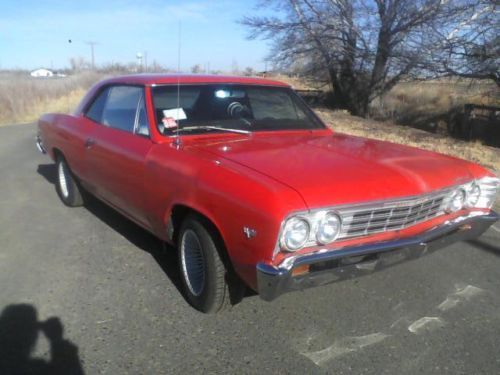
column 203, row 273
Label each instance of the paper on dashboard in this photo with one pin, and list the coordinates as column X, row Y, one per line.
column 175, row 113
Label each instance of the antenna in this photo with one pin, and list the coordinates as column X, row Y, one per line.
column 177, row 141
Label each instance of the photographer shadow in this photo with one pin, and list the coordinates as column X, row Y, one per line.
column 19, row 333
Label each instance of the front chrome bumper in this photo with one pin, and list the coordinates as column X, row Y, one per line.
column 327, row 266
column 39, row 145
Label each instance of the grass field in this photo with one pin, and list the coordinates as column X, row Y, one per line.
column 23, row 98
column 426, row 105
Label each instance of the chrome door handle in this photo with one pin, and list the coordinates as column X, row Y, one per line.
column 89, row 142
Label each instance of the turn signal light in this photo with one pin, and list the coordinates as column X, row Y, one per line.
column 300, row 270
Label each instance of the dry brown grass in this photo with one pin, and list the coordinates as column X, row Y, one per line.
column 299, row 83
column 411, row 100
column 23, row 98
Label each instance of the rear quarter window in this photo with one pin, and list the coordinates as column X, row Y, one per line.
column 94, row 112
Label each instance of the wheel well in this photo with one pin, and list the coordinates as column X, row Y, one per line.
column 180, row 213
column 56, row 152
column 177, row 216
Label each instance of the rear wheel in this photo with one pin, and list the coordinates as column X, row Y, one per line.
column 202, row 270
column 66, row 185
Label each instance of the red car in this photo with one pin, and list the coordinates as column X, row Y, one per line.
column 252, row 187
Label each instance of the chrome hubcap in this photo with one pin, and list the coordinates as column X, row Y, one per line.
column 63, row 179
column 193, row 262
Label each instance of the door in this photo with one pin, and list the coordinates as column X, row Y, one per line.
column 116, row 151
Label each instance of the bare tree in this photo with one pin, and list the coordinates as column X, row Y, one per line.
column 196, row 69
column 249, row 71
column 471, row 49
column 78, row 63
column 361, row 47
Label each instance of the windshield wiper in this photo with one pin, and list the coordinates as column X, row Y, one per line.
column 239, row 131
column 246, row 121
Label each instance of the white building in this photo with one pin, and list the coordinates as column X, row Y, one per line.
column 42, row 73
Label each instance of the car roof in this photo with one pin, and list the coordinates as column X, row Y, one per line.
column 159, row 79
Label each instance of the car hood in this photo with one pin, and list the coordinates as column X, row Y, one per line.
column 328, row 169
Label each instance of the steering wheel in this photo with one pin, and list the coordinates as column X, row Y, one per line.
column 238, row 110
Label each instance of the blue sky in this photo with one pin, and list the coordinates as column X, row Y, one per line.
column 35, row 33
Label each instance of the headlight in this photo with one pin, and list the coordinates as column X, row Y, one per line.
column 295, row 234
column 489, row 188
column 310, row 229
column 473, row 195
column 480, row 193
column 457, row 200
column 328, row 228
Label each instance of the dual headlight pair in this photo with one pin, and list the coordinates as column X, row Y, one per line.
column 323, row 227
column 476, row 194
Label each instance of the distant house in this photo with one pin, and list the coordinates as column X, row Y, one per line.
column 42, row 73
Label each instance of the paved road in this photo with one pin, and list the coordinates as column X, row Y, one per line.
column 116, row 295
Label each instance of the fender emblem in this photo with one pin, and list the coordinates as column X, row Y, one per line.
column 249, row 232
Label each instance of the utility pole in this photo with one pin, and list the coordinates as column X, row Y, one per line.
column 92, row 44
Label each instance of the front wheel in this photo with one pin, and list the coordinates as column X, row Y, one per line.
column 66, row 185
column 202, row 271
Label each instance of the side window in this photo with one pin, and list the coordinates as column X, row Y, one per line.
column 95, row 110
column 120, row 111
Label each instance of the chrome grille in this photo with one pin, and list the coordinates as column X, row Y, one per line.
column 369, row 219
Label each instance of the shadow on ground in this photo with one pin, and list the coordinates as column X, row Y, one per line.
column 19, row 333
column 480, row 244
column 164, row 254
column 430, row 122
column 461, row 122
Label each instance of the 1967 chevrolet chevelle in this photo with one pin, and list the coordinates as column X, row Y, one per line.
column 252, row 188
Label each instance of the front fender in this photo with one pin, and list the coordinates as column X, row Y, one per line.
column 231, row 196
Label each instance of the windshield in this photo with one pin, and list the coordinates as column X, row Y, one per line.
column 210, row 107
